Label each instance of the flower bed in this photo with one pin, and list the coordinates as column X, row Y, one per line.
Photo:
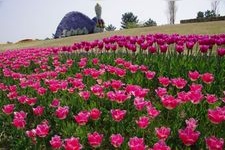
column 148, row 92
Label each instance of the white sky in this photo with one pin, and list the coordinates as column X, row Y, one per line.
column 20, row 19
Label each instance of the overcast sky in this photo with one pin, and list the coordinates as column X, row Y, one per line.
column 38, row 19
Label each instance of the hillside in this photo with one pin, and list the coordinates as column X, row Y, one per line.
column 192, row 28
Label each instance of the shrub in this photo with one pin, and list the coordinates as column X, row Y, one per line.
column 110, row 28
column 150, row 23
column 200, row 15
column 129, row 20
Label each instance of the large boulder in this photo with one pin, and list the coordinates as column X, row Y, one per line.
column 74, row 21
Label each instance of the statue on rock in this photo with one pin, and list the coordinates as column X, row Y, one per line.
column 76, row 23
column 100, row 25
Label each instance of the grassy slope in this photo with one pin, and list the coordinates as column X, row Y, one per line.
column 192, row 28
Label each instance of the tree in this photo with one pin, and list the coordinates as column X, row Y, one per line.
column 149, row 23
column 172, row 9
column 215, row 6
column 110, row 28
column 209, row 14
column 200, row 15
column 129, row 19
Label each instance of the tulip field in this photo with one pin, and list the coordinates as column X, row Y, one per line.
column 149, row 92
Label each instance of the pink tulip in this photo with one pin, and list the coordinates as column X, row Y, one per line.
column 38, row 111
column 78, row 83
column 195, row 96
column 196, row 87
column 111, row 95
column 19, row 123
column 42, row 129
column 152, row 112
column 163, row 48
column 191, row 123
column 140, row 92
column 62, row 112
column 132, row 88
column 207, row 78
column 95, row 114
column 31, row 133
column 179, row 48
column 164, row 81
column 19, row 119
column 69, row 62
column 143, row 68
column 190, row 45
column 179, row 83
column 106, row 84
column 152, row 49
column 12, row 95
column 139, row 103
column 95, row 61
column 96, row 73
column 128, row 64
column 204, row 48
column 82, row 117
column 72, row 144
column 214, row 143
column 55, row 103
column 41, row 91
column 54, row 87
column 221, row 52
column 79, row 75
column 107, row 47
column 162, row 132
column 120, row 97
column 97, row 90
column 85, row 95
column 193, row 75
column 216, row 116
column 136, row 143
column 118, row 114
column 95, row 139
column 31, row 101
column 183, row 97
column 119, row 61
column 144, row 46
column 116, row 140
column 8, row 109
column 211, row 98
column 169, row 102
column 161, row 92
column 150, row 75
column 160, row 145
column 188, row 136
column 133, row 68
column 20, row 115
column 143, row 122
column 56, row 142
column 116, row 84
column 120, row 72
column 82, row 64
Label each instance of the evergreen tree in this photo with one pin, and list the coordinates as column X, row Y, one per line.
column 110, row 28
column 128, row 19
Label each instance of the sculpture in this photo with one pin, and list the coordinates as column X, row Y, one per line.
column 76, row 23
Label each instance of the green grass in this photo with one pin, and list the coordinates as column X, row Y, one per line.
column 192, row 28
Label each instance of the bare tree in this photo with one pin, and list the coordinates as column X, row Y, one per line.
column 172, row 9
column 215, row 6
